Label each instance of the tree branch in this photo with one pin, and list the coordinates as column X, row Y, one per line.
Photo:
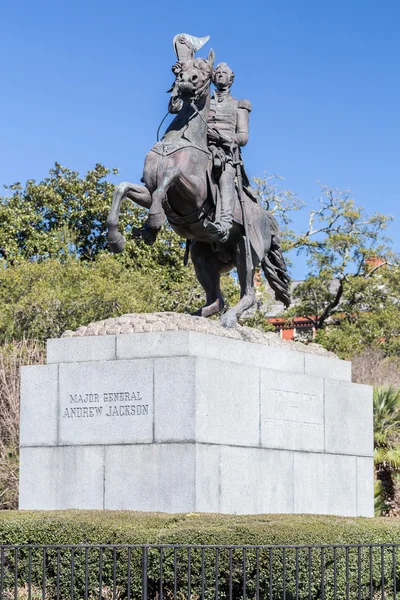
column 331, row 306
column 376, row 268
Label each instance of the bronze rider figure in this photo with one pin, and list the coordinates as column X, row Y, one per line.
column 228, row 123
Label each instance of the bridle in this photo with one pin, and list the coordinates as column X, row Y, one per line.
column 192, row 100
column 199, row 93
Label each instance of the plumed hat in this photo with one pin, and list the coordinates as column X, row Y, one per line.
column 186, row 45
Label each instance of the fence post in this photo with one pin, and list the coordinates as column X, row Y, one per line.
column 144, row 572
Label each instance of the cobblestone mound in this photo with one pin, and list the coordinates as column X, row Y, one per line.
column 171, row 321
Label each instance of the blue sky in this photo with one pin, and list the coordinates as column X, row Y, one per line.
column 85, row 81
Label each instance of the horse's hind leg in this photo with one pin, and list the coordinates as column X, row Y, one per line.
column 247, row 292
column 208, row 270
column 140, row 194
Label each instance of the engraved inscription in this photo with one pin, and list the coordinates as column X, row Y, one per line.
column 292, row 418
column 83, row 398
column 108, row 402
column 86, row 411
column 295, row 409
column 128, row 404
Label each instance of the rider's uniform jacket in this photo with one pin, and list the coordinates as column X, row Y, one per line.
column 230, row 117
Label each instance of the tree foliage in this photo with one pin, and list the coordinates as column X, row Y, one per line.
column 62, row 219
column 387, row 442
column 339, row 241
column 64, row 216
column 56, row 272
column 41, row 300
column 351, row 290
column 57, row 217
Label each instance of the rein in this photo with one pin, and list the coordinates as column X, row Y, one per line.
column 196, row 110
column 160, row 125
column 193, row 99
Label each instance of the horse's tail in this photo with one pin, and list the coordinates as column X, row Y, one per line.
column 274, row 266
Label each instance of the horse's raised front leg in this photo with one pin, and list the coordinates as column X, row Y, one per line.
column 247, row 292
column 140, row 194
column 192, row 186
column 156, row 216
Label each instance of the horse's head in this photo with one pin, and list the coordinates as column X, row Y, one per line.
column 194, row 77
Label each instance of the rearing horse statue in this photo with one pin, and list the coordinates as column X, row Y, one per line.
column 179, row 185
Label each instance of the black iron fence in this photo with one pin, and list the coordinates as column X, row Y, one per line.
column 195, row 572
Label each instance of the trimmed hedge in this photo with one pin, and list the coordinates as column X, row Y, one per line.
column 126, row 527
column 107, row 527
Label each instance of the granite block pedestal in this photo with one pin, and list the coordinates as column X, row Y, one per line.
column 184, row 421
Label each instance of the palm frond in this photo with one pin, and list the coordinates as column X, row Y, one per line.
column 380, row 506
column 392, row 458
column 386, row 415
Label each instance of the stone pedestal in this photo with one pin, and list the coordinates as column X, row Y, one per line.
column 182, row 421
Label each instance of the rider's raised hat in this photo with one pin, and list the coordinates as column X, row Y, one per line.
column 186, row 45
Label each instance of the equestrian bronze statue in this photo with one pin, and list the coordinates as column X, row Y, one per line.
column 194, row 178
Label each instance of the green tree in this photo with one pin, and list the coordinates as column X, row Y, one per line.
column 59, row 216
column 387, row 442
column 64, row 216
column 339, row 240
column 40, row 300
column 372, row 321
column 350, row 300
column 56, row 270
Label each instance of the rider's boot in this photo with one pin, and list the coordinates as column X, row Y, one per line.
column 220, row 230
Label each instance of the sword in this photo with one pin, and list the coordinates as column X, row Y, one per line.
column 246, row 224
